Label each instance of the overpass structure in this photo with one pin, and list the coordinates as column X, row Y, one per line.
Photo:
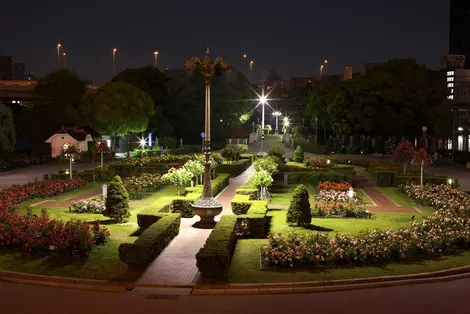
column 22, row 91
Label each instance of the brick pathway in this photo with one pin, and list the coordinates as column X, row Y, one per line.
column 177, row 263
column 68, row 202
column 384, row 205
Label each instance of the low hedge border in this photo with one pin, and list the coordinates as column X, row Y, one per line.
column 315, row 177
column 151, row 242
column 252, row 220
column 213, row 260
column 234, row 169
column 391, row 178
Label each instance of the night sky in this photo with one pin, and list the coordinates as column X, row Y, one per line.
column 296, row 36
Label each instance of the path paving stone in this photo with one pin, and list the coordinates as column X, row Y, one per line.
column 177, row 263
column 384, row 205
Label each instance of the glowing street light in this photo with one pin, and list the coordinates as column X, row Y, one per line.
column 58, row 51
column 64, row 56
column 321, row 72
column 251, row 69
column 114, row 61
column 277, row 114
column 155, row 60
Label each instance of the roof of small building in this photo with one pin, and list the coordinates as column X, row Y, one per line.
column 78, row 134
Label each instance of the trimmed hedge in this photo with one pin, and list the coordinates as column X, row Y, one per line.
column 252, row 220
column 251, row 157
column 151, row 242
column 384, row 178
column 310, row 147
column 316, row 177
column 241, row 204
column 234, row 169
column 125, row 170
column 213, row 260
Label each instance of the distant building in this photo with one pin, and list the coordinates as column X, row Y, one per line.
column 459, row 29
column 347, row 73
column 30, row 77
column 19, row 71
column 6, row 68
column 67, row 137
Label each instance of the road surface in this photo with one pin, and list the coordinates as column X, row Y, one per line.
column 437, row 298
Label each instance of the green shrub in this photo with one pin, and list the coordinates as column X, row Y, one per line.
column 268, row 164
column 117, row 200
column 183, row 206
column 316, row 177
column 241, row 204
column 151, row 242
column 251, row 157
column 234, row 169
column 384, row 178
column 251, row 192
column 213, row 260
column 299, row 209
column 299, row 154
column 277, row 152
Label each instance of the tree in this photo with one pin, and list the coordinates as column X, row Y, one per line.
column 267, row 164
column 7, row 130
column 261, row 180
column 299, row 209
column 61, row 93
column 268, row 128
column 404, row 153
column 196, row 167
column 117, row 200
column 101, row 147
column 422, row 158
column 178, row 177
column 299, row 154
column 118, row 108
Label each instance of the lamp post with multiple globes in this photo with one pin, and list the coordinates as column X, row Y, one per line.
column 207, row 207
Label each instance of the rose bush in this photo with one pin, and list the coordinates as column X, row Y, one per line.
column 42, row 235
column 88, row 206
column 334, row 186
column 40, row 189
column 138, row 187
column 447, row 230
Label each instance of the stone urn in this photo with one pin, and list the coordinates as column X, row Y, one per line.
column 207, row 209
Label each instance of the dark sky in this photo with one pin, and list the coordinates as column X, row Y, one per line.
column 295, row 35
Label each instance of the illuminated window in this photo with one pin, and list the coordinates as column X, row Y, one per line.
column 450, row 79
column 452, row 91
column 450, row 84
column 450, row 73
column 450, row 97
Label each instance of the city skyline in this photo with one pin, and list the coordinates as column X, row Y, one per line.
column 367, row 32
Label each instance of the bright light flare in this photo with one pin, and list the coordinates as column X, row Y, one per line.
column 277, row 114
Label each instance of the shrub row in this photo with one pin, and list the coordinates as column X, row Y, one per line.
column 151, row 242
column 252, row 220
column 390, row 178
column 213, row 260
column 310, row 147
column 234, row 169
column 316, row 177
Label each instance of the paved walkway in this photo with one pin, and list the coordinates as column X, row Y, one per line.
column 68, row 202
column 177, row 263
column 384, row 205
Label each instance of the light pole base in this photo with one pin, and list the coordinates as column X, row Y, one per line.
column 206, row 208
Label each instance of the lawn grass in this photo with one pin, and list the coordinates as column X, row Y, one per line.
column 103, row 263
column 399, row 198
column 245, row 267
column 282, row 195
column 343, row 225
column 296, row 164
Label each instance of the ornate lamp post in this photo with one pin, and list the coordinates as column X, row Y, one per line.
column 277, row 114
column 207, row 207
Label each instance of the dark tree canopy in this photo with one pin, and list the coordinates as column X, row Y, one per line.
column 396, row 98
column 7, row 129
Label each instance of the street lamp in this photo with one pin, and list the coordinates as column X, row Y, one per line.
column 263, row 100
column 285, row 123
column 277, row 114
column 114, row 61
column 64, row 56
column 321, row 73
column 207, row 207
column 58, row 52
column 155, row 60
column 251, row 70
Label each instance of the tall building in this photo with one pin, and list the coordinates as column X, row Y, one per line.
column 459, row 29
column 19, row 71
column 6, row 68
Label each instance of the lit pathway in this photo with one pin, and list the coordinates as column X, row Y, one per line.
column 177, row 263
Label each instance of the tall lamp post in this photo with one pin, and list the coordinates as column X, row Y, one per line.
column 263, row 101
column 114, row 61
column 207, row 207
column 251, row 70
column 64, row 56
column 277, row 114
column 155, row 59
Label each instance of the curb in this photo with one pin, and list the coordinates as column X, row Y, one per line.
column 238, row 289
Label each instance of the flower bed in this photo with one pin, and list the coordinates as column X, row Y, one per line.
column 446, row 231
column 40, row 189
column 333, row 200
column 41, row 235
column 88, row 206
column 23, row 161
column 138, row 187
column 142, row 161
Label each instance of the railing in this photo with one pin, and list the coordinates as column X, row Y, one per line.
column 236, row 141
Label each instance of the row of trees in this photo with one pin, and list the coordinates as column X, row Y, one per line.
column 136, row 100
column 392, row 99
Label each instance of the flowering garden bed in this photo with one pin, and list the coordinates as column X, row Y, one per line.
column 445, row 231
column 337, row 200
column 139, row 187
